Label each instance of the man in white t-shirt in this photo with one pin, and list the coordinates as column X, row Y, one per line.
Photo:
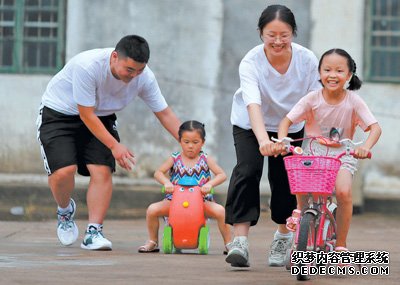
column 77, row 129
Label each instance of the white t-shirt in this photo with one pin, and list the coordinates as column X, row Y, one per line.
column 276, row 93
column 87, row 80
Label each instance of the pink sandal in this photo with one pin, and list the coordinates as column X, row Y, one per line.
column 150, row 246
column 342, row 249
column 292, row 221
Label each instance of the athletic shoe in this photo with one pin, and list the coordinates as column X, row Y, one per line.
column 278, row 251
column 67, row 231
column 238, row 255
column 95, row 240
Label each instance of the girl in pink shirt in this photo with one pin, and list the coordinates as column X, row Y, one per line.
column 334, row 112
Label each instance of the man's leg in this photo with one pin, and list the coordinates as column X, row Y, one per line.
column 98, row 201
column 62, row 183
column 99, row 192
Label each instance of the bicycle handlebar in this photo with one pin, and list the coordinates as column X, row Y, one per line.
column 348, row 143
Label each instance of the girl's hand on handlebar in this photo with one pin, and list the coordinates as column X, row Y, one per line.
column 169, row 187
column 362, row 153
column 206, row 188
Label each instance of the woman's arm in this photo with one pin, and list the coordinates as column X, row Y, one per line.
column 258, row 127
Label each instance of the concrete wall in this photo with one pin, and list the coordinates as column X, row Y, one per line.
column 196, row 47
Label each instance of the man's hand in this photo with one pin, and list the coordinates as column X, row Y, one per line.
column 124, row 157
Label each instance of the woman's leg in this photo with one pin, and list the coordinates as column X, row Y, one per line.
column 243, row 200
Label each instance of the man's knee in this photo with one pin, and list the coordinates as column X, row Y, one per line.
column 64, row 173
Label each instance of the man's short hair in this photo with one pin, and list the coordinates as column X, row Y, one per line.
column 134, row 47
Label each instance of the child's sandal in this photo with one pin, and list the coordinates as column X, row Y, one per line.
column 292, row 221
column 150, row 246
column 342, row 249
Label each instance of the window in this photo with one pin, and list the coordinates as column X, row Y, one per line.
column 32, row 36
column 382, row 50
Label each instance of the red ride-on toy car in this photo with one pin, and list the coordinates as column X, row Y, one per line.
column 186, row 228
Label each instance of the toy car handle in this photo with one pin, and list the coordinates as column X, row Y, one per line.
column 212, row 191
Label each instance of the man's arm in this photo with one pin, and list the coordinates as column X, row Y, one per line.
column 120, row 152
column 169, row 121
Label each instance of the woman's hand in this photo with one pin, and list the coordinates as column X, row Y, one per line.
column 269, row 148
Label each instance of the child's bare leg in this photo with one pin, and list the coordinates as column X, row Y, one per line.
column 345, row 206
column 154, row 211
column 217, row 212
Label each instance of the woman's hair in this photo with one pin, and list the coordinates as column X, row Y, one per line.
column 192, row 126
column 134, row 47
column 355, row 82
column 278, row 12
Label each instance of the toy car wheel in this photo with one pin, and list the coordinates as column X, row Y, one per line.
column 167, row 240
column 204, row 240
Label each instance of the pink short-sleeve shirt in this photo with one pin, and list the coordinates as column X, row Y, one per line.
column 335, row 121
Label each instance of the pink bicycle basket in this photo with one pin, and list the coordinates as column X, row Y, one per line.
column 311, row 174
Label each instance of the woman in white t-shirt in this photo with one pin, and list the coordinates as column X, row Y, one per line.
column 274, row 76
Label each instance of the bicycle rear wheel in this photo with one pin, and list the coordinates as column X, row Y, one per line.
column 306, row 240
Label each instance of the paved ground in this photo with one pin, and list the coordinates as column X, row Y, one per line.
column 30, row 254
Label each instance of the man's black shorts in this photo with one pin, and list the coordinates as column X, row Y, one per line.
column 65, row 140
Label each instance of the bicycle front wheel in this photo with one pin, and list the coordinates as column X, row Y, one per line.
column 306, row 240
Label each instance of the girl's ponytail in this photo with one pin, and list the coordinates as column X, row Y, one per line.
column 355, row 82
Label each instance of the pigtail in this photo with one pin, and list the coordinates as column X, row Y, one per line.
column 355, row 82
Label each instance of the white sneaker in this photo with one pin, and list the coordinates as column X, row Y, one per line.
column 95, row 240
column 278, row 251
column 238, row 255
column 67, row 231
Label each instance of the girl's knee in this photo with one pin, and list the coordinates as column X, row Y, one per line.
column 153, row 210
column 344, row 195
column 220, row 212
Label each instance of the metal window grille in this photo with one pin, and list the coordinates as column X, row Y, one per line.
column 382, row 50
column 32, row 35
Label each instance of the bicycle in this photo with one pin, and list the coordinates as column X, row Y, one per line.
column 314, row 177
